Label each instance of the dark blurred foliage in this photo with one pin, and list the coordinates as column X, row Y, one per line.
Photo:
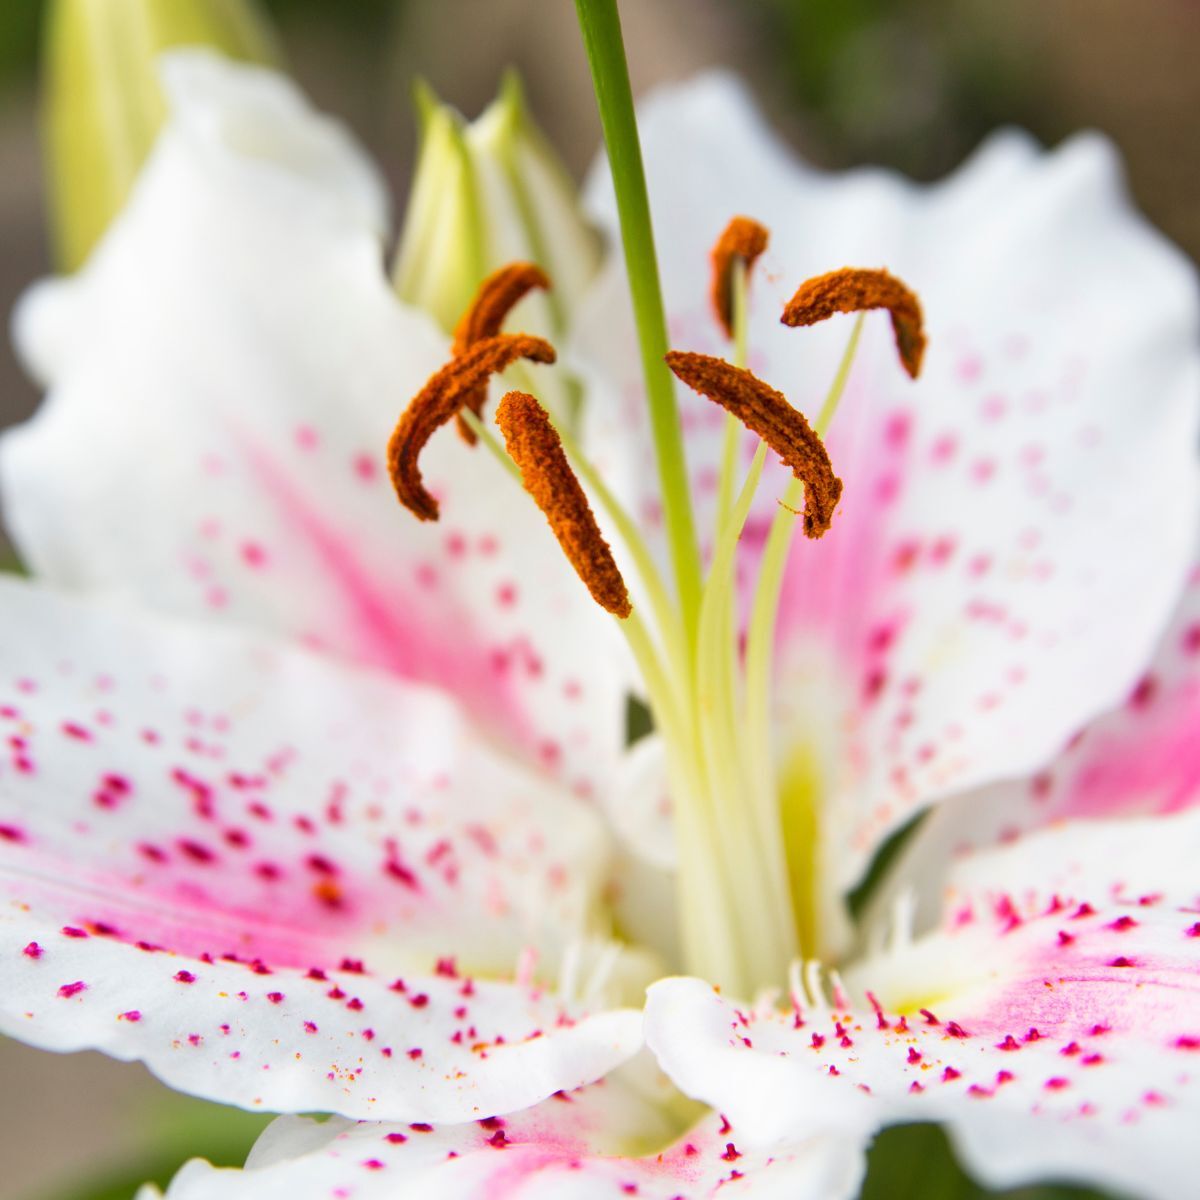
column 20, row 22
column 915, row 1162
column 913, row 85
column 180, row 1129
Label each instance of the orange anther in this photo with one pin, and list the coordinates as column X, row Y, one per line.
column 534, row 445
column 441, row 399
column 498, row 294
column 854, row 289
column 767, row 412
column 742, row 239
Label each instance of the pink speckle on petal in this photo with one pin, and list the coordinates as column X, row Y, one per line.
column 993, row 408
column 253, row 555
column 944, row 448
column 969, row 368
column 72, row 989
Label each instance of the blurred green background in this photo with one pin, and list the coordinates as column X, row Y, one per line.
column 909, row 83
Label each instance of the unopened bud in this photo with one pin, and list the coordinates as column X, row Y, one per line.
column 102, row 104
column 487, row 193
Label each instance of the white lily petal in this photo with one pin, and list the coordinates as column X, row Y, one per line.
column 279, row 143
column 989, row 582
column 216, row 854
column 1142, row 758
column 587, row 1145
column 1053, row 1023
column 226, row 371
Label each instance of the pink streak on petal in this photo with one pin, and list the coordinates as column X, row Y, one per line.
column 419, row 648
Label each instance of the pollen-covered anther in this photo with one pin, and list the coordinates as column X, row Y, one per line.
column 742, row 240
column 534, row 445
column 767, row 412
column 498, row 295
column 856, row 289
column 441, row 399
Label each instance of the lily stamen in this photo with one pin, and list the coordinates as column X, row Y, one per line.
column 856, row 289
column 442, row 398
column 733, row 256
column 534, row 445
column 769, row 414
column 741, row 241
column 497, row 296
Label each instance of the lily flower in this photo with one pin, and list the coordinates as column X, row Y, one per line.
column 222, row 851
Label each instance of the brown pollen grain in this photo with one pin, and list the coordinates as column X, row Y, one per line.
column 856, row 289
column 498, row 294
column 767, row 412
column 440, row 400
column 743, row 239
column 534, row 445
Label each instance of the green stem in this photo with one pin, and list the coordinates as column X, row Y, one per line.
column 600, row 24
column 840, row 379
column 759, row 899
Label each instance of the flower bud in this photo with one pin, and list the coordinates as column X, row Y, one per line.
column 486, row 193
column 102, row 105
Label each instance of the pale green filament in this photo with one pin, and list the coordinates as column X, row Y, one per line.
column 659, row 598
column 758, row 889
column 757, row 902
column 643, row 560
column 733, row 427
column 485, row 436
column 760, row 645
column 834, row 395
